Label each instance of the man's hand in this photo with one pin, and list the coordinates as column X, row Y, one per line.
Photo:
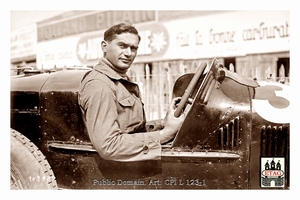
column 172, row 123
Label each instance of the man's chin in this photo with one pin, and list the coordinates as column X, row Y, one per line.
column 125, row 65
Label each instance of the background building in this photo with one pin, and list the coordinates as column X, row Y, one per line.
column 252, row 43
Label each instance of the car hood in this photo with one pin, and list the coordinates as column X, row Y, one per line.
column 67, row 80
column 29, row 83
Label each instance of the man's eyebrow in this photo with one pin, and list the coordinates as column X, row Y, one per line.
column 129, row 45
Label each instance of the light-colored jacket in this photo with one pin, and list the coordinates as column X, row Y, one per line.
column 114, row 116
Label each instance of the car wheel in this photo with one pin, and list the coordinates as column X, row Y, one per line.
column 29, row 168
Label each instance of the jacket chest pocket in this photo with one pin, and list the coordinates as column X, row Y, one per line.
column 127, row 102
column 131, row 116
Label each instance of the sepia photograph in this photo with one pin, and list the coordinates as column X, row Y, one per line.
column 150, row 99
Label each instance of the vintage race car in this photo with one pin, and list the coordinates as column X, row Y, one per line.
column 232, row 125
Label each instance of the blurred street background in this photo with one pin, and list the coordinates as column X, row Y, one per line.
column 255, row 44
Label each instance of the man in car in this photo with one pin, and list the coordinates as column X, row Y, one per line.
column 111, row 105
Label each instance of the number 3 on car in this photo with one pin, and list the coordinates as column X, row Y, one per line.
column 273, row 105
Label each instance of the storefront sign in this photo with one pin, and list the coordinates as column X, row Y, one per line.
column 193, row 38
column 154, row 43
column 23, row 42
column 255, row 32
column 86, row 49
column 263, row 32
column 92, row 22
column 57, row 53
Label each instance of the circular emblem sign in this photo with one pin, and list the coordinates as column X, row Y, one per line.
column 154, row 40
column 154, row 43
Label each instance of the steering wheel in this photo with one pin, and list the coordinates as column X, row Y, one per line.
column 190, row 88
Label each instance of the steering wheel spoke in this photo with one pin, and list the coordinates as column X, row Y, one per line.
column 213, row 77
column 190, row 88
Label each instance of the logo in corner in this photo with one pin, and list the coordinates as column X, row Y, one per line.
column 272, row 172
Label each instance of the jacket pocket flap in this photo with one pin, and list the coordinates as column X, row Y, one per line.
column 127, row 101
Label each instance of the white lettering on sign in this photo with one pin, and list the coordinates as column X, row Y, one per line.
column 89, row 49
column 100, row 20
column 94, row 50
column 153, row 42
column 144, row 46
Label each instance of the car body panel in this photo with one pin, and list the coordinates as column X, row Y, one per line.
column 218, row 146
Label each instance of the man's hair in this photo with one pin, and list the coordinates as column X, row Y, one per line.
column 111, row 33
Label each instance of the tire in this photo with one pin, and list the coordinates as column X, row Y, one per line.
column 29, row 168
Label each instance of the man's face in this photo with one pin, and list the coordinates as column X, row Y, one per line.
column 122, row 50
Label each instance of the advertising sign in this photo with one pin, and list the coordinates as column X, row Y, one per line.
column 190, row 38
column 23, row 42
column 229, row 35
column 85, row 49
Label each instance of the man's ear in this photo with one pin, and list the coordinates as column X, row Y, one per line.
column 103, row 45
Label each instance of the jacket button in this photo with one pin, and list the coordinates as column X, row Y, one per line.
column 146, row 149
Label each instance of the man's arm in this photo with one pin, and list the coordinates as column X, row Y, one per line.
column 100, row 112
column 154, row 125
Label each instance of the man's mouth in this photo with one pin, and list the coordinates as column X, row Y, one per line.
column 126, row 61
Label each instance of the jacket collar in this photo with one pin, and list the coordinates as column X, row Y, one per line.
column 103, row 67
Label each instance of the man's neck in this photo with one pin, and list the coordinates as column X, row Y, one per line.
column 120, row 72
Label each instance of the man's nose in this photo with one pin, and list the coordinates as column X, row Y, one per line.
column 128, row 51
